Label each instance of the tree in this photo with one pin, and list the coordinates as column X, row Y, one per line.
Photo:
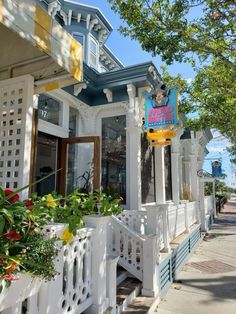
column 202, row 32
column 170, row 28
column 232, row 151
column 212, row 95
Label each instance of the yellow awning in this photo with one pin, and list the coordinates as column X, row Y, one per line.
column 33, row 24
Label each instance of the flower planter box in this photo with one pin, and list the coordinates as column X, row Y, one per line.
column 18, row 291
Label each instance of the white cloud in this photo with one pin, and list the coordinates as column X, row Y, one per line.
column 189, row 80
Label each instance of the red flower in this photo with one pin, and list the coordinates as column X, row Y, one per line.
column 12, row 235
column 28, row 204
column 14, row 198
column 8, row 277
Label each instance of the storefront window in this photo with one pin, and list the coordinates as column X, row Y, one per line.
column 114, row 156
column 49, row 109
column 72, row 122
column 93, row 53
column 147, row 171
column 168, row 181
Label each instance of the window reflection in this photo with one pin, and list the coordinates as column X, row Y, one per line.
column 147, row 171
column 168, row 181
column 114, row 155
column 49, row 109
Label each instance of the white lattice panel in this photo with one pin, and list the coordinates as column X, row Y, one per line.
column 136, row 220
column 77, row 281
column 16, row 108
column 128, row 245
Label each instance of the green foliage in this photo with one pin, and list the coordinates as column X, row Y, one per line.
column 232, row 151
column 190, row 31
column 165, row 28
column 23, row 247
column 70, row 209
column 221, row 189
column 39, row 256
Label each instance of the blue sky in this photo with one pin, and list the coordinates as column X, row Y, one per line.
column 129, row 52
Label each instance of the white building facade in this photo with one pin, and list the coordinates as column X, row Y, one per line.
column 85, row 115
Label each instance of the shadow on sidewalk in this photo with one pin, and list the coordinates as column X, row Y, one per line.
column 210, row 236
column 221, row 288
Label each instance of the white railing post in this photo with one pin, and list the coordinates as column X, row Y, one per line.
column 166, row 241
column 150, row 275
column 111, row 282
column 51, row 291
column 186, row 218
column 99, row 254
column 152, row 218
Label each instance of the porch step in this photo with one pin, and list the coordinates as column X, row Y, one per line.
column 127, row 291
column 142, row 305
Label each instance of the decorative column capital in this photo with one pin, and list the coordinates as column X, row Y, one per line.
column 131, row 90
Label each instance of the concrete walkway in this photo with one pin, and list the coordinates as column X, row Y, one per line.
column 207, row 283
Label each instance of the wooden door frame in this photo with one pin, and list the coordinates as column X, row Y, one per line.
column 96, row 153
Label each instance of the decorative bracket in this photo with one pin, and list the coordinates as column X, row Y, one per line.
column 108, row 93
column 64, row 17
column 93, row 23
column 78, row 88
column 53, row 8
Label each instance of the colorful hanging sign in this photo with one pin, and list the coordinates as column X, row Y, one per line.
column 161, row 109
column 216, row 168
column 161, row 115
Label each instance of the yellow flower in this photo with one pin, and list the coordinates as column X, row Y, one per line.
column 50, row 201
column 66, row 236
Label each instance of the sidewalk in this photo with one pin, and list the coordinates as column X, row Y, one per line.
column 207, row 283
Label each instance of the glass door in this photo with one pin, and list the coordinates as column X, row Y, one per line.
column 46, row 162
column 80, row 164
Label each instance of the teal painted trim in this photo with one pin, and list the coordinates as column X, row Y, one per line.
column 173, row 263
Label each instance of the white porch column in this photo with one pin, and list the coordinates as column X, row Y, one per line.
column 193, row 176
column 160, row 175
column 175, row 171
column 214, row 196
column 133, row 144
column 175, row 177
column 202, row 205
column 180, row 175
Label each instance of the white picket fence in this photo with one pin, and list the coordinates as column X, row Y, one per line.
column 71, row 290
column 167, row 221
column 86, row 279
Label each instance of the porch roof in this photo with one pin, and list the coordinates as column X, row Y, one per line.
column 33, row 43
column 140, row 75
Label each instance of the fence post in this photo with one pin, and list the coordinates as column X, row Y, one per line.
column 186, row 218
column 150, row 275
column 166, row 228
column 51, row 293
column 99, row 255
column 152, row 219
column 111, row 282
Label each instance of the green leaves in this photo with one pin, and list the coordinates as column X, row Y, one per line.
column 190, row 31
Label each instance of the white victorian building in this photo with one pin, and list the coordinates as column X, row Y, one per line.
column 67, row 102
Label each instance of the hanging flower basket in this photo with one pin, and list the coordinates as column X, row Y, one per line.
column 18, row 291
